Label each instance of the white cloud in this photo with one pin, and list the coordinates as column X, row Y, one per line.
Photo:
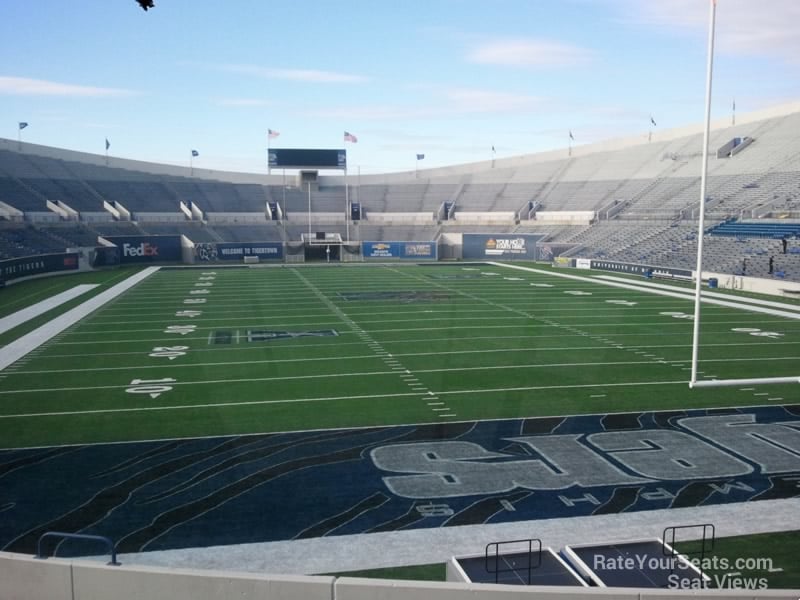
column 242, row 102
column 304, row 75
column 22, row 86
column 446, row 102
column 369, row 112
column 743, row 27
column 467, row 100
column 529, row 53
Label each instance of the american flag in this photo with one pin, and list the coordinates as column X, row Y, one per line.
column 349, row 137
column 272, row 134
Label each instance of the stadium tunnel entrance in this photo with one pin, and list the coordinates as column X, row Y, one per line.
column 326, row 252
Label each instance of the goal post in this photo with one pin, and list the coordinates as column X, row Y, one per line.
column 693, row 382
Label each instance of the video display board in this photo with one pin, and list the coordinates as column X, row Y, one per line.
column 306, row 158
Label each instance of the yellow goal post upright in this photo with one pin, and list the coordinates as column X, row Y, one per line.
column 693, row 382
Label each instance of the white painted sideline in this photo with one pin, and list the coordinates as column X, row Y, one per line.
column 33, row 311
column 20, row 347
column 635, row 286
column 706, row 293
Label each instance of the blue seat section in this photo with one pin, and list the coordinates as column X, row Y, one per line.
column 750, row 229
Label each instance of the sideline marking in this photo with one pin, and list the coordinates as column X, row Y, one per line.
column 30, row 341
column 34, row 310
column 660, row 292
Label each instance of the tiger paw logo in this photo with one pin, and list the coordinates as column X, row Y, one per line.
column 206, row 252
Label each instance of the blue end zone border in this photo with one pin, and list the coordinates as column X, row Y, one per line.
column 231, row 490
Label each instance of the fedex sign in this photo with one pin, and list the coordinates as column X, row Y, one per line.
column 148, row 248
column 142, row 249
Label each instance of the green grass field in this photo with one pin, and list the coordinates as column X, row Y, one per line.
column 194, row 352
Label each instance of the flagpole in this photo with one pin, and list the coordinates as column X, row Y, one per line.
column 703, row 177
column 269, row 168
column 191, row 164
column 283, row 211
column 733, row 114
column 346, row 206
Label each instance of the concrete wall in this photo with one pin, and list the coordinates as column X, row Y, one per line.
column 403, row 218
column 772, row 287
column 26, row 578
column 504, row 218
column 23, row 577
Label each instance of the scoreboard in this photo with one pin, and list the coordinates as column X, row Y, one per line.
column 299, row 158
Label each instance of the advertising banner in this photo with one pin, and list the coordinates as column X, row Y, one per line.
column 15, row 268
column 238, row 251
column 399, row 250
column 636, row 269
column 147, row 248
column 500, row 247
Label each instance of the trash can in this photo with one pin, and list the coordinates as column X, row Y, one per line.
column 713, row 282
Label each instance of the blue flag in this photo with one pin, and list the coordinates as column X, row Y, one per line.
column 195, row 153
column 652, row 120
column 108, row 144
column 22, row 125
column 420, row 156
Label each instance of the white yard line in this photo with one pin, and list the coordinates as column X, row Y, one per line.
column 660, row 292
column 26, row 314
column 405, row 375
column 332, row 398
column 22, row 346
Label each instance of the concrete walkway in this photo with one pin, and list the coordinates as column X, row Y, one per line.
column 423, row 546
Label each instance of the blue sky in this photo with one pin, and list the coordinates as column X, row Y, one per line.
column 447, row 78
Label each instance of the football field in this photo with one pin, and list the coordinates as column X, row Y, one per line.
column 209, row 407
column 204, row 352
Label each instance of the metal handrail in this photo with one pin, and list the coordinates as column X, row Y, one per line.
column 79, row 536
